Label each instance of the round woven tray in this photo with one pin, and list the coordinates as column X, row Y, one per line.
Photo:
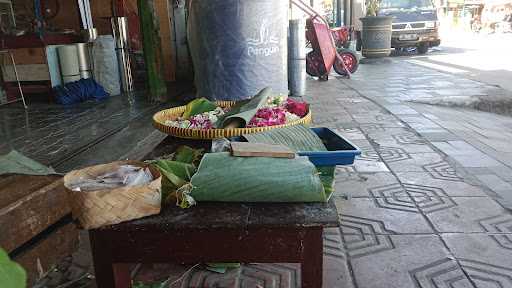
column 160, row 117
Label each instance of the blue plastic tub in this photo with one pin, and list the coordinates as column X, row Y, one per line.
column 340, row 151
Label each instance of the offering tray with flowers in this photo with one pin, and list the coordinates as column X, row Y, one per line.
column 204, row 119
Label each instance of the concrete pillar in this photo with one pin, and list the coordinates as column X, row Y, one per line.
column 339, row 17
column 347, row 15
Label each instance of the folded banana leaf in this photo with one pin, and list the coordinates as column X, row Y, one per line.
column 224, row 178
column 186, row 154
column 298, row 138
column 198, row 106
column 240, row 114
column 175, row 175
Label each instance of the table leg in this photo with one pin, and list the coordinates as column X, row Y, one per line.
column 122, row 276
column 107, row 274
column 312, row 259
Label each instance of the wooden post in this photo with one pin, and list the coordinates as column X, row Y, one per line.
column 168, row 51
column 152, row 49
column 183, row 62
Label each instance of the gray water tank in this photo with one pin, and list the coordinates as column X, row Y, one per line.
column 238, row 47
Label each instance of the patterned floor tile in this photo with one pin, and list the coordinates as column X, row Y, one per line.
column 392, row 154
column 370, row 166
column 270, row 275
column 204, row 278
column 351, row 134
column 367, row 154
column 449, row 187
column 466, row 214
column 415, row 162
column 406, row 147
column 282, row 275
column 392, row 215
column 384, row 133
column 358, row 184
column 442, row 170
column 336, row 270
column 278, row 275
column 486, row 261
column 412, row 261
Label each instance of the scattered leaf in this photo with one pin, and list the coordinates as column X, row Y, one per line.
column 221, row 267
column 12, row 275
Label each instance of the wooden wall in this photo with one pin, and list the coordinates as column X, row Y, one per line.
column 166, row 32
column 69, row 18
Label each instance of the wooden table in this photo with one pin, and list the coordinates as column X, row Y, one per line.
column 215, row 232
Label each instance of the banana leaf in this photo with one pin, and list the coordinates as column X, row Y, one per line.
column 198, row 106
column 298, row 138
column 16, row 163
column 175, row 175
column 186, row 154
column 223, row 178
column 240, row 114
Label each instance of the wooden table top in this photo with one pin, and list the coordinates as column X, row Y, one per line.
column 229, row 215
column 236, row 216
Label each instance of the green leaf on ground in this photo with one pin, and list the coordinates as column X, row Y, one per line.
column 152, row 285
column 221, row 267
column 12, row 275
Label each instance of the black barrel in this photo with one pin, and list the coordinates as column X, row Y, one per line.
column 376, row 36
column 238, row 47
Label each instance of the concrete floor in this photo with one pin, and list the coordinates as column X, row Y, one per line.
column 67, row 137
column 425, row 205
column 477, row 56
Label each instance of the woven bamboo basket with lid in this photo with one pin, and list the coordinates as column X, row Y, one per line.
column 173, row 113
column 98, row 208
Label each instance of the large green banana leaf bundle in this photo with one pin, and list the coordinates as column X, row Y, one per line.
column 220, row 177
column 225, row 178
column 298, row 138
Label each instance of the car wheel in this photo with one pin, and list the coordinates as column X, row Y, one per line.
column 423, row 48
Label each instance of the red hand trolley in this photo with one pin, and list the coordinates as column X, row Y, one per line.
column 327, row 44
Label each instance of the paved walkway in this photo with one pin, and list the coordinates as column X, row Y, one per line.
column 411, row 216
column 476, row 143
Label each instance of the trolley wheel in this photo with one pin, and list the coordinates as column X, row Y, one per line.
column 315, row 64
column 350, row 59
